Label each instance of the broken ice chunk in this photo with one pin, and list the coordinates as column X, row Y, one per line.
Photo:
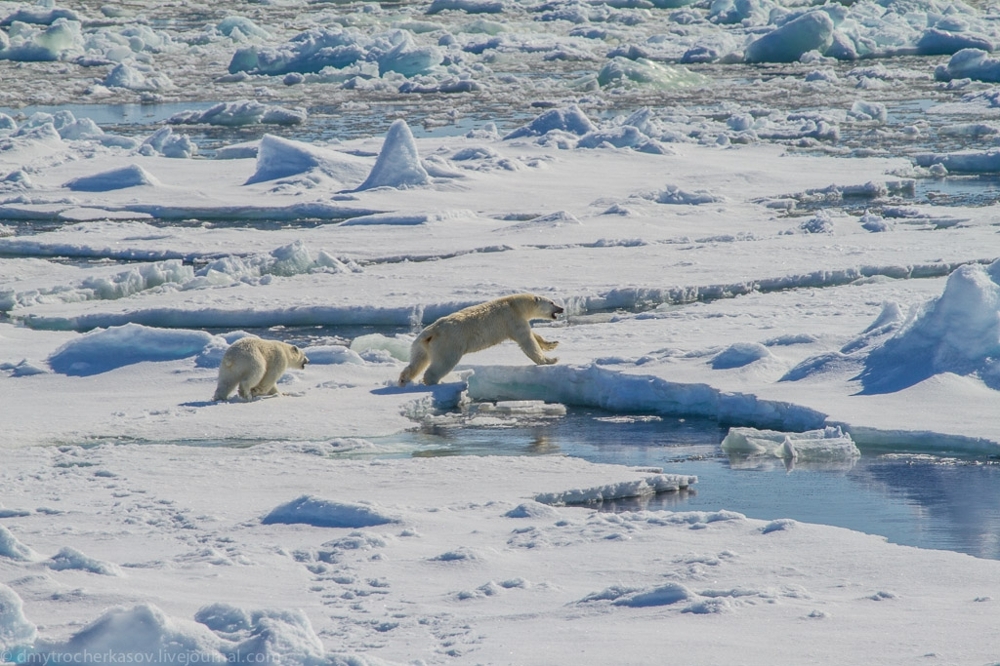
column 828, row 444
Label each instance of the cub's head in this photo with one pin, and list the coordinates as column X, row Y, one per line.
column 545, row 308
column 296, row 358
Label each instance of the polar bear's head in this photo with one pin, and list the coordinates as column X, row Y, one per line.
column 544, row 308
column 296, row 358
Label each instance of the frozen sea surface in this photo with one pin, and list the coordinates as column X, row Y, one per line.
column 774, row 215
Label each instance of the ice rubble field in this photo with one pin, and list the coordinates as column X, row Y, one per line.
column 752, row 249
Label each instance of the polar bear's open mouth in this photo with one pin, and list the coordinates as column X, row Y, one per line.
column 558, row 311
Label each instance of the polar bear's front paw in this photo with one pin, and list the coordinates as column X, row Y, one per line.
column 549, row 361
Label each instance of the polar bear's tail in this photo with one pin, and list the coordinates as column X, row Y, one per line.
column 420, row 358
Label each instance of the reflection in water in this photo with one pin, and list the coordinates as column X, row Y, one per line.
column 769, row 463
column 918, row 500
column 674, row 501
column 961, row 496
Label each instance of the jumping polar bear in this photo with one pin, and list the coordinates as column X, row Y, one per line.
column 442, row 344
column 256, row 365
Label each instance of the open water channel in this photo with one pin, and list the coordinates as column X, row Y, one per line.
column 914, row 499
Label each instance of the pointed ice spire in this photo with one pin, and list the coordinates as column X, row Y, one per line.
column 398, row 165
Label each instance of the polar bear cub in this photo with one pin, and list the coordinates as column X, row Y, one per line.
column 255, row 366
column 440, row 346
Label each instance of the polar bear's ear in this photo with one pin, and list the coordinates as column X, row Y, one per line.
column 295, row 349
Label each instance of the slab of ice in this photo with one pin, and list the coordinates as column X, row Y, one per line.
column 966, row 161
column 408, row 58
column 651, row 485
column 970, row 64
column 332, row 355
column 138, row 79
column 941, row 42
column 308, row 52
column 164, row 142
column 467, row 6
column 41, row 14
column 57, row 41
column 809, row 32
column 828, row 444
column 245, row 26
column 621, row 71
column 315, row 49
column 243, row 112
column 570, row 119
column 398, row 347
column 618, row 137
column 606, row 388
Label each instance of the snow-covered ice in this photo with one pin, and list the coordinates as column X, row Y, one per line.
column 766, row 214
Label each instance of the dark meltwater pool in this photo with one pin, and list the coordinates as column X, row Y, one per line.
column 911, row 499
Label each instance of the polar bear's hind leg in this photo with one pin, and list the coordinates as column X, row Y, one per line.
column 248, row 383
column 268, row 383
column 442, row 362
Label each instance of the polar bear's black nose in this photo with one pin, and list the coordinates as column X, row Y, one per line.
column 557, row 311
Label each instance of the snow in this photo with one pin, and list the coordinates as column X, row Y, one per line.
column 104, row 349
column 324, row 513
column 132, row 175
column 959, row 332
column 281, row 158
column 731, row 210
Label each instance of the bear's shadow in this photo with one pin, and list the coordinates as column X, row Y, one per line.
column 444, row 396
column 201, row 403
column 439, row 390
column 235, row 400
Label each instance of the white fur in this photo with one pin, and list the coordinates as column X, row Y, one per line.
column 255, row 366
column 440, row 346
